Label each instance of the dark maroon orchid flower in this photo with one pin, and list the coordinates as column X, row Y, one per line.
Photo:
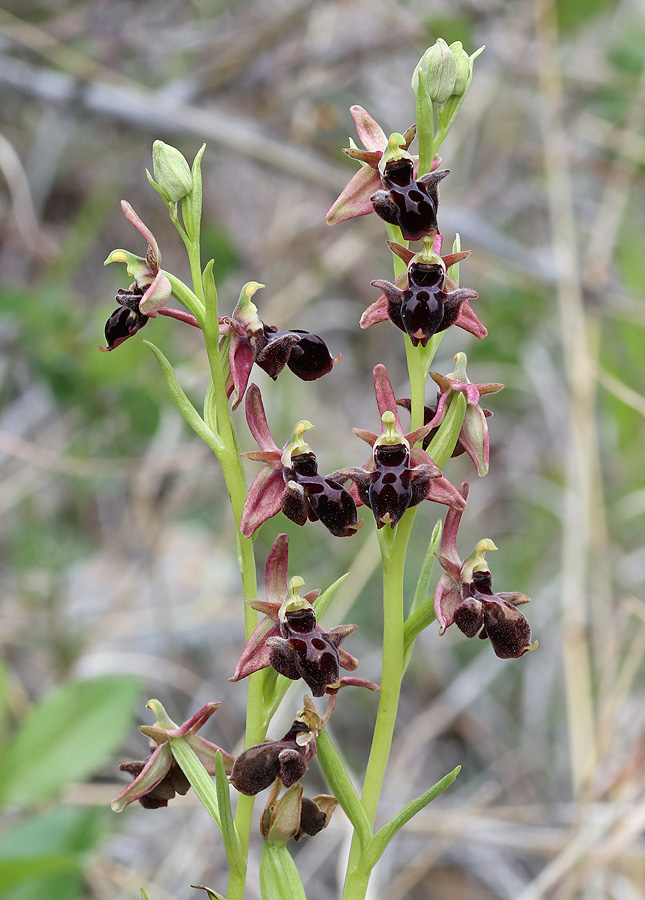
column 158, row 778
column 406, row 201
column 290, row 481
column 399, row 475
column 258, row 767
column 464, row 595
column 290, row 640
column 418, row 302
column 251, row 341
column 146, row 295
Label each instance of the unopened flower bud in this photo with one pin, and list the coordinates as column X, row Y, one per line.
column 463, row 64
column 171, row 171
column 439, row 69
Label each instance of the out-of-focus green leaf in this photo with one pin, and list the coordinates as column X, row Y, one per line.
column 15, row 871
column 574, row 14
column 64, row 833
column 66, row 736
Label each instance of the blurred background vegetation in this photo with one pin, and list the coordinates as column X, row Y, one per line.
column 118, row 580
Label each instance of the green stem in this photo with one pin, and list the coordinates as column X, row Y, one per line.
column 234, row 477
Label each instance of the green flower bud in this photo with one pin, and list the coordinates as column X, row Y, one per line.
column 463, row 68
column 439, row 69
column 171, row 171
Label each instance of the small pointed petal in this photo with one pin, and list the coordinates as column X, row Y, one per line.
column 371, row 157
column 275, row 574
column 272, row 458
column 404, row 254
column 346, row 660
column 354, row 681
column 257, row 420
column 366, row 436
column 196, row 721
column 355, row 199
column 265, row 499
column 513, row 597
column 452, row 259
column 339, row 633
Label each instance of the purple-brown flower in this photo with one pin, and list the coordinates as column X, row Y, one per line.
column 399, row 475
column 147, row 294
column 424, row 301
column 289, row 481
column 256, row 768
column 158, row 777
column 355, row 198
column 251, row 341
column 290, row 640
column 464, row 595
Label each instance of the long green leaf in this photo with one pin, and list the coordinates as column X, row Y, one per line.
column 279, row 879
column 384, row 835
column 227, row 825
column 342, row 787
column 67, row 736
column 183, row 404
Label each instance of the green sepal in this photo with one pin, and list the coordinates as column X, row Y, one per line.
column 422, row 610
column 191, row 205
column 227, row 827
column 184, row 405
column 342, row 788
column 425, row 127
column 445, row 440
column 144, row 895
column 279, row 876
column 384, row 835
